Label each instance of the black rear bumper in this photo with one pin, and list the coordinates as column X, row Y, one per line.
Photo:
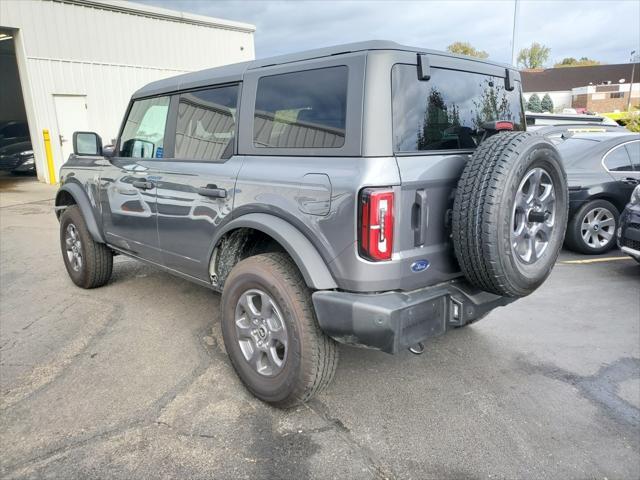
column 392, row 321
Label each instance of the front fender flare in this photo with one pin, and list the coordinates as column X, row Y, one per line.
column 306, row 257
column 82, row 200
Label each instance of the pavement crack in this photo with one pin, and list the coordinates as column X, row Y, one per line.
column 376, row 466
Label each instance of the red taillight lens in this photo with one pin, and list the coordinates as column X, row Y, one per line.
column 376, row 223
column 504, row 125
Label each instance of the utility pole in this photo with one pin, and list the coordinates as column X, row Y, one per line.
column 633, row 71
column 516, row 7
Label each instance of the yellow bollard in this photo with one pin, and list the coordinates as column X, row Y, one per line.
column 47, row 151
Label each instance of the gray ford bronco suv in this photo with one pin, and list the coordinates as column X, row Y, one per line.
column 370, row 194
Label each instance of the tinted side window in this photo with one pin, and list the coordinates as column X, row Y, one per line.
column 618, row 160
column 447, row 111
column 206, row 124
column 143, row 133
column 633, row 149
column 302, row 109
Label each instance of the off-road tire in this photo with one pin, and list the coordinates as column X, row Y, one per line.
column 97, row 258
column 483, row 213
column 311, row 357
column 574, row 240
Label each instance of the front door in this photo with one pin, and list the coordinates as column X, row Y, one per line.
column 71, row 116
column 195, row 187
column 128, row 186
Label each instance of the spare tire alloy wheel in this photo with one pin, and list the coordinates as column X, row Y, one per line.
column 597, row 228
column 510, row 213
column 261, row 332
column 534, row 212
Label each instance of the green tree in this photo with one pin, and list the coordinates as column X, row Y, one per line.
column 572, row 62
column 492, row 105
column 534, row 56
column 547, row 103
column 534, row 104
column 465, row 48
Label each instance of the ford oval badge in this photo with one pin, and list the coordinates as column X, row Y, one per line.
column 419, row 266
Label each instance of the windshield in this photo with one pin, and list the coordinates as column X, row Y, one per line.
column 446, row 112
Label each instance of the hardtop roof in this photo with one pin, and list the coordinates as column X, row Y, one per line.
column 234, row 72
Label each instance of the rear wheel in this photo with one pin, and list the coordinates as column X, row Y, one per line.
column 271, row 334
column 592, row 229
column 88, row 262
column 510, row 213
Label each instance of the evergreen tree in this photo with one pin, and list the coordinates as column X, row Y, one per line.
column 547, row 103
column 534, row 104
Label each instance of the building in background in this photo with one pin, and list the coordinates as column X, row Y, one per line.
column 72, row 65
column 597, row 88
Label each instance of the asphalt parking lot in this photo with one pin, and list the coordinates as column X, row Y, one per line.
column 131, row 380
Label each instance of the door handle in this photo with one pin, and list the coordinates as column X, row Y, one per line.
column 631, row 181
column 143, row 184
column 212, row 191
column 419, row 217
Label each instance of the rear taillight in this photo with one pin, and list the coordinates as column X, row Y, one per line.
column 376, row 223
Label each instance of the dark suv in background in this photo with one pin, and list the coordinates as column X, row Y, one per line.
column 372, row 194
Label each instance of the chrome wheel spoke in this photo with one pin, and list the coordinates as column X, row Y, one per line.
column 244, row 328
column 606, row 236
column 609, row 222
column 246, row 302
column 274, row 360
column 266, row 307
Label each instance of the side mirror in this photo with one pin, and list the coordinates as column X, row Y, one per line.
column 109, row 151
column 87, row 144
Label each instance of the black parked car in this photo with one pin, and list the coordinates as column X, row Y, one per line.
column 16, row 152
column 13, row 132
column 602, row 169
column 629, row 231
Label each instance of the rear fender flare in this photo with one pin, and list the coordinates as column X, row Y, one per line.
column 306, row 257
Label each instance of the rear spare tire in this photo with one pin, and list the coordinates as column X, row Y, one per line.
column 510, row 213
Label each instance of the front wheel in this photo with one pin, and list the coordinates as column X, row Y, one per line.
column 271, row 334
column 88, row 262
column 592, row 229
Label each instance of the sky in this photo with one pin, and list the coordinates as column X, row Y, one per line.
column 605, row 30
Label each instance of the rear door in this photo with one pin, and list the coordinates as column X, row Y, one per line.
column 196, row 179
column 619, row 165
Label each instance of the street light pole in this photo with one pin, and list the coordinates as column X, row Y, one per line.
column 516, row 6
column 633, row 71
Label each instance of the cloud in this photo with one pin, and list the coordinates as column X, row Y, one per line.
column 603, row 30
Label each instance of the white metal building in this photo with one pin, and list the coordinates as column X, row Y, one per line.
column 79, row 61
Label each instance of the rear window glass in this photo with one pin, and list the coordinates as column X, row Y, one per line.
column 617, row 160
column 633, row 149
column 446, row 112
column 302, row 109
column 206, row 124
